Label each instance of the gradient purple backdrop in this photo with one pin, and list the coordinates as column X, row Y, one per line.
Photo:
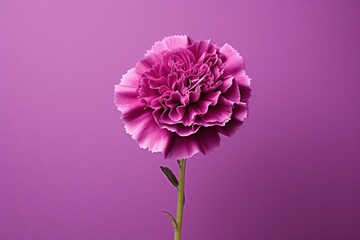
column 69, row 171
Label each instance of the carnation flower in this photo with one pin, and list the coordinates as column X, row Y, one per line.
column 182, row 95
column 179, row 98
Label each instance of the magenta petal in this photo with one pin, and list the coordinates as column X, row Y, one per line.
column 130, row 79
column 240, row 111
column 157, row 83
column 147, row 63
column 233, row 93
column 143, row 128
column 245, row 93
column 172, row 78
column 220, row 114
column 175, row 97
column 125, row 98
column 234, row 63
column 199, row 108
column 125, row 94
column 164, row 70
column 200, row 48
column 211, row 97
column 243, row 80
column 239, row 115
column 182, row 130
column 194, row 96
column 170, row 43
column 162, row 117
column 230, row 128
column 226, row 83
column 204, row 141
column 177, row 113
column 186, row 120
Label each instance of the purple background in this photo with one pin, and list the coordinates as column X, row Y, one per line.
column 69, row 171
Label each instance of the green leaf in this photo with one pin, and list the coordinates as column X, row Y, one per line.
column 172, row 219
column 170, row 175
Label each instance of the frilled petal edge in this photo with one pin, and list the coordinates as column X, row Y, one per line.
column 234, row 65
column 125, row 94
column 170, row 43
column 140, row 124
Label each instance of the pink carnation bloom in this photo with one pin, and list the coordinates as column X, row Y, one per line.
column 182, row 94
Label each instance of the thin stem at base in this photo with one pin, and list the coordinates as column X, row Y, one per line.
column 180, row 202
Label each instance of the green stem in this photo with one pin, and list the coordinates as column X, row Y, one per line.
column 180, row 202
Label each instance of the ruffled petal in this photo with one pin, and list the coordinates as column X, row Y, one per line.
column 147, row 63
column 240, row 112
column 243, row 80
column 226, row 83
column 176, row 114
column 125, row 94
column 139, row 123
column 211, row 97
column 182, row 130
column 204, row 141
column 200, row 49
column 234, row 63
column 245, row 93
column 157, row 83
column 142, row 127
column 194, row 96
column 220, row 113
column 234, row 66
column 232, row 93
column 200, row 108
column 170, row 43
